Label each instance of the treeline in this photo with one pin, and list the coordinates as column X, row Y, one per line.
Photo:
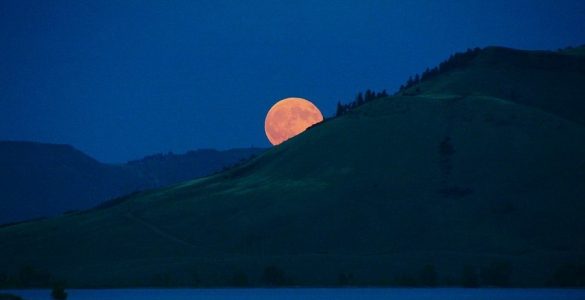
column 27, row 277
column 359, row 100
column 495, row 274
column 455, row 61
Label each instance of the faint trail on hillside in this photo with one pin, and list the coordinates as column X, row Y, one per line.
column 159, row 231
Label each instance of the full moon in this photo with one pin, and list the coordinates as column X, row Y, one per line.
column 289, row 117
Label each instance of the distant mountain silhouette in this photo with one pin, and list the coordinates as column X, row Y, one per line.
column 40, row 180
column 474, row 177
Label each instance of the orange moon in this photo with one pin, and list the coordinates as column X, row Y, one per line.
column 289, row 117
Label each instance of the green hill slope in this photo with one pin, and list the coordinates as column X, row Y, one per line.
column 552, row 81
column 464, row 185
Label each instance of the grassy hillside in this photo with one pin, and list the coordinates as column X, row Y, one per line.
column 551, row 81
column 445, row 187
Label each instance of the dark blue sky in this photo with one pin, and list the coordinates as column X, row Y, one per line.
column 122, row 79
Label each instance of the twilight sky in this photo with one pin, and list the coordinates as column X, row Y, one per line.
column 123, row 79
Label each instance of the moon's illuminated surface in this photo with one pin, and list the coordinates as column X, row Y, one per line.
column 289, row 117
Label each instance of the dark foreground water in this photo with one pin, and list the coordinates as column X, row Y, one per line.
column 302, row 293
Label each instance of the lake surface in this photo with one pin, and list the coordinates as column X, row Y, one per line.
column 317, row 293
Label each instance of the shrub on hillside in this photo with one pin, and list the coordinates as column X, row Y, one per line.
column 58, row 293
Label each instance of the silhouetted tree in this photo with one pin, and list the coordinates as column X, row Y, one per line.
column 409, row 82
column 369, row 96
column 359, row 99
column 58, row 293
column 382, row 94
column 457, row 60
column 425, row 74
column 340, row 109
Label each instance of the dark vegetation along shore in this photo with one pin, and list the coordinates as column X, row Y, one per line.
column 9, row 297
column 470, row 175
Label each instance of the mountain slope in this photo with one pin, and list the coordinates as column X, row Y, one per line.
column 38, row 180
column 447, row 182
column 546, row 80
